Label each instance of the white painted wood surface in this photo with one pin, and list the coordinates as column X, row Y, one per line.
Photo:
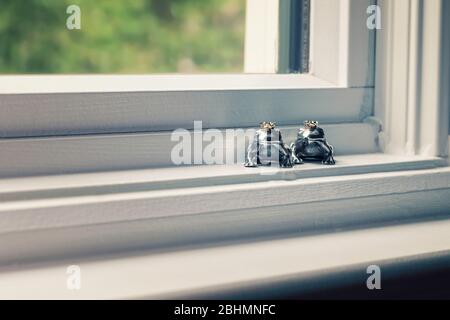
column 85, row 113
column 27, row 188
column 181, row 274
column 90, row 209
column 412, row 96
column 325, row 34
column 43, row 84
column 77, row 216
column 261, row 36
column 88, row 153
column 342, row 47
column 80, row 104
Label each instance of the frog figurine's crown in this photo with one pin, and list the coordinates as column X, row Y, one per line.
column 267, row 125
column 311, row 123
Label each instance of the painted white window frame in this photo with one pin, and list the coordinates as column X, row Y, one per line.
column 39, row 227
column 406, row 102
column 337, row 51
column 412, row 77
column 41, row 117
column 61, row 105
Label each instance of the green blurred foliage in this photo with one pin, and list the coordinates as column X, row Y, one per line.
column 119, row 36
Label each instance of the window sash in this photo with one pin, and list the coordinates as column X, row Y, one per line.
column 65, row 105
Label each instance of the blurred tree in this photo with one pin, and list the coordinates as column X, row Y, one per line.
column 119, row 36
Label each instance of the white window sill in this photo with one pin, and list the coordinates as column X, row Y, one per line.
column 58, row 217
column 108, row 152
column 132, row 181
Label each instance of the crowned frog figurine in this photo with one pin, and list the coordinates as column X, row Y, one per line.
column 268, row 148
column 312, row 145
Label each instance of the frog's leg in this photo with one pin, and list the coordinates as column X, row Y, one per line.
column 252, row 154
column 285, row 156
column 295, row 159
column 329, row 159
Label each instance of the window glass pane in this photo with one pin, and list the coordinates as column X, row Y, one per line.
column 122, row 36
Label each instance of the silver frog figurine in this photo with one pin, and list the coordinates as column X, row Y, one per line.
column 268, row 148
column 312, row 145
